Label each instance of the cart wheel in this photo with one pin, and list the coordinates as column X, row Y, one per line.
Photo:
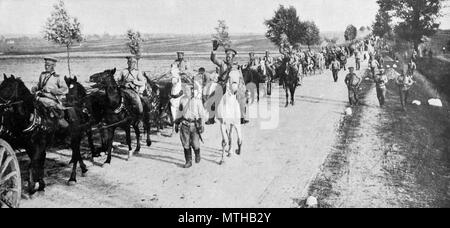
column 10, row 180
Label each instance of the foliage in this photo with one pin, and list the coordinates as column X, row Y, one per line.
column 382, row 25
column 134, row 42
column 222, row 35
column 63, row 29
column 417, row 18
column 311, row 34
column 285, row 27
column 350, row 33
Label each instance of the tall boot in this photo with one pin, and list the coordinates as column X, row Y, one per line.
column 197, row 156
column 188, row 157
column 238, row 151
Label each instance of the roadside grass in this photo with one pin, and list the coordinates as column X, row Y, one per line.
column 438, row 72
column 335, row 166
column 414, row 154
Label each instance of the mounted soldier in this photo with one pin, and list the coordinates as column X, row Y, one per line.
column 225, row 67
column 252, row 62
column 182, row 64
column 132, row 83
column 50, row 90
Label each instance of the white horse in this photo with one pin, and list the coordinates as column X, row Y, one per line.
column 175, row 93
column 229, row 114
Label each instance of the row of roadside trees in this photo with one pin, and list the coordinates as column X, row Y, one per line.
column 409, row 20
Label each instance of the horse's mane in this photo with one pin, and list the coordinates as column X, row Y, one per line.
column 81, row 89
column 23, row 86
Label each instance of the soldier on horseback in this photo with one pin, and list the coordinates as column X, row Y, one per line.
column 50, row 90
column 132, row 83
column 225, row 67
column 182, row 64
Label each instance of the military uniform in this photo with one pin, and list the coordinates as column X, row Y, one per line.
column 411, row 68
column 381, row 80
column 133, row 86
column 191, row 125
column 335, row 68
column 358, row 60
column 50, row 90
column 352, row 81
column 404, row 83
column 224, row 70
column 183, row 65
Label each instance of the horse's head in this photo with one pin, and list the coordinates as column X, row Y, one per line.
column 76, row 90
column 103, row 78
column 15, row 98
column 12, row 89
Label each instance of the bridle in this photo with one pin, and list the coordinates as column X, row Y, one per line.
column 7, row 102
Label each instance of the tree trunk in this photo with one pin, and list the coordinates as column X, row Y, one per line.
column 68, row 60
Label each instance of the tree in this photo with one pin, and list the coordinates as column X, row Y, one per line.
column 362, row 29
column 311, row 34
column 350, row 33
column 417, row 18
column 222, row 34
column 134, row 42
column 285, row 27
column 382, row 24
column 63, row 29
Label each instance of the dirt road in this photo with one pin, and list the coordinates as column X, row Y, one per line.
column 274, row 170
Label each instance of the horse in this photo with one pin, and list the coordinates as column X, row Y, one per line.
column 25, row 123
column 289, row 80
column 252, row 76
column 89, row 104
column 229, row 115
column 159, row 98
column 116, row 113
column 267, row 74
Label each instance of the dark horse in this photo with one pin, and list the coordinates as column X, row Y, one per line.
column 25, row 124
column 157, row 104
column 288, row 78
column 117, row 114
column 254, row 77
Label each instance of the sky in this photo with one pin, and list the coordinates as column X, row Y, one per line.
column 184, row 16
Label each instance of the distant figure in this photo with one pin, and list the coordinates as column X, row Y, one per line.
column 374, row 65
column 404, row 83
column 335, row 68
column 358, row 59
column 182, row 65
column 444, row 50
column 381, row 80
column 353, row 82
column 411, row 68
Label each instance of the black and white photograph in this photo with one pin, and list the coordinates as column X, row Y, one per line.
column 222, row 104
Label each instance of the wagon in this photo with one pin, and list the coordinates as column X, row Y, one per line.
column 10, row 179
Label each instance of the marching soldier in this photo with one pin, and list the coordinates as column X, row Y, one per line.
column 182, row 64
column 335, row 68
column 225, row 67
column 404, row 83
column 411, row 67
column 132, row 83
column 381, row 80
column 190, row 124
column 50, row 90
column 352, row 81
